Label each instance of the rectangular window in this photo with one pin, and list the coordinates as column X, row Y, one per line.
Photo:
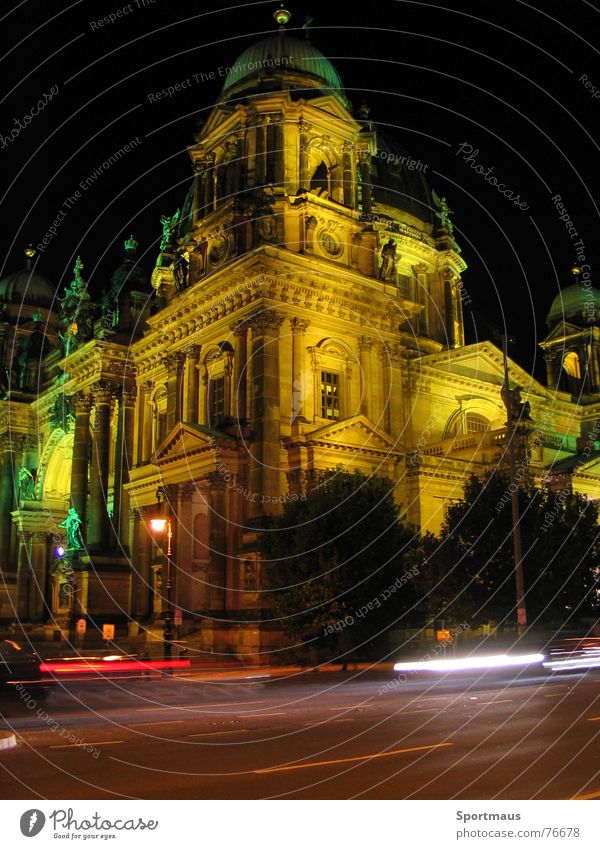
column 217, row 400
column 330, row 395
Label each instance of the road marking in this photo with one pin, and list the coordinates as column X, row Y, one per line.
column 349, row 707
column 348, row 719
column 422, row 710
column 351, row 760
column 160, row 722
column 191, row 707
column 496, row 702
column 215, row 733
column 254, row 715
column 83, row 745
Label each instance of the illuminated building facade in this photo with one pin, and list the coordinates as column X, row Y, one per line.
column 305, row 312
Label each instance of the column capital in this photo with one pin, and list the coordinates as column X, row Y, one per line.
column 173, row 362
column 365, row 343
column 420, row 268
column 40, row 537
column 128, row 395
column 82, row 402
column 239, row 327
column 103, row 392
column 192, row 352
column 299, row 326
column 391, row 353
column 266, row 323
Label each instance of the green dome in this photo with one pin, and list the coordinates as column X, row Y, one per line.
column 576, row 301
column 27, row 287
column 281, row 53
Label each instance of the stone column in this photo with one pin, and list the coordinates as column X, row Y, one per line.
column 141, row 580
column 192, row 394
column 265, row 413
column 392, row 383
column 422, row 297
column 174, row 364
column 82, row 403
column 365, row 347
column 123, row 464
column 260, row 168
column 23, row 570
column 348, row 175
column 98, row 520
column 37, row 583
column 8, row 497
column 146, row 422
column 299, row 327
column 551, row 376
column 240, row 369
column 365, row 175
column 304, row 176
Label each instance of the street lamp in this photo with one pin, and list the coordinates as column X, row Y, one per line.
column 159, row 525
column 507, row 397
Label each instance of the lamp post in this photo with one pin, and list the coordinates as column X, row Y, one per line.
column 505, row 393
column 159, row 525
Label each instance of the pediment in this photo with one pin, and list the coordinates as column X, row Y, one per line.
column 562, row 330
column 186, row 440
column 481, row 361
column 357, row 433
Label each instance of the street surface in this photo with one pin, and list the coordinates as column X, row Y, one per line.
column 317, row 735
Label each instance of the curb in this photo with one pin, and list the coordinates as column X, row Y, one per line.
column 7, row 740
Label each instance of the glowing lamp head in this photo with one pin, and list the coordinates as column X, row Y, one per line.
column 158, row 525
column 282, row 16
column 59, row 551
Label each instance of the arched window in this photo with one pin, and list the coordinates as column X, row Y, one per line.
column 572, row 366
column 217, row 371
column 159, row 415
column 474, row 423
column 332, row 364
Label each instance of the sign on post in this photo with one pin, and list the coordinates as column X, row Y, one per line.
column 178, row 616
column 80, row 627
column 108, row 632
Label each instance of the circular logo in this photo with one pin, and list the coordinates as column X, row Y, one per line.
column 32, row 822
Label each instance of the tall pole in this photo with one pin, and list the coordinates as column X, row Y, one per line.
column 168, row 630
column 514, row 490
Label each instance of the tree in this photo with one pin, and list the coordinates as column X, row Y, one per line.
column 332, row 559
column 469, row 571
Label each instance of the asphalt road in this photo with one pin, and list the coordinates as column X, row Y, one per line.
column 323, row 735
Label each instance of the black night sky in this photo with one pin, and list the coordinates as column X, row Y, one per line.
column 505, row 78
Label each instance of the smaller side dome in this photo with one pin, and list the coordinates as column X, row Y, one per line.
column 579, row 303
column 27, row 286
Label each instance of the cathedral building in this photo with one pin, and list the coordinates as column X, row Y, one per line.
column 305, row 312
